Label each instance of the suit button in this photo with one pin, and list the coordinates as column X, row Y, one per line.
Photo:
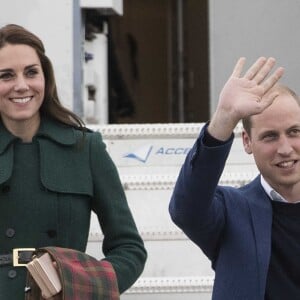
column 5, row 189
column 10, row 232
column 12, row 273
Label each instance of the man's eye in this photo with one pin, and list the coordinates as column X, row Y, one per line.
column 269, row 137
column 295, row 131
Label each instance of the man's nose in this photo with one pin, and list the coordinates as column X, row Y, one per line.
column 285, row 147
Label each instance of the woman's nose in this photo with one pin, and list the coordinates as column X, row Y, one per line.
column 21, row 84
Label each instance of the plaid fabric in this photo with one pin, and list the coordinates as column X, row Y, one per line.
column 83, row 277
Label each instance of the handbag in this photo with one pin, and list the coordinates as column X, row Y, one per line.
column 81, row 276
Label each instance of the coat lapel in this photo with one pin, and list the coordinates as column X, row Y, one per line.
column 6, row 153
column 261, row 214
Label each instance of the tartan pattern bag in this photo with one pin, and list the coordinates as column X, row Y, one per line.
column 82, row 277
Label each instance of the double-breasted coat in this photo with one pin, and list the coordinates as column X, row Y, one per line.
column 48, row 189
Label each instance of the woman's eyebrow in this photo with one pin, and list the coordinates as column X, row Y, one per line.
column 27, row 67
column 6, row 70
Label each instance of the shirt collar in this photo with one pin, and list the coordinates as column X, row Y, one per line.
column 51, row 129
column 275, row 196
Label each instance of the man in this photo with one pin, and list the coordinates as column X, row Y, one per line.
column 250, row 234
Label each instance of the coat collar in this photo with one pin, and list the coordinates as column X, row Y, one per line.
column 58, row 132
column 6, row 138
column 49, row 128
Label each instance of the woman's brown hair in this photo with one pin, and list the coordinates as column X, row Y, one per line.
column 14, row 34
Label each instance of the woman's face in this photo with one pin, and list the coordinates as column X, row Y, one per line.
column 22, row 85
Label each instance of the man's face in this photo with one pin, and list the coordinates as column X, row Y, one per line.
column 275, row 143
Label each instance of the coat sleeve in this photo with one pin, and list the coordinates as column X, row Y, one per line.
column 197, row 205
column 122, row 244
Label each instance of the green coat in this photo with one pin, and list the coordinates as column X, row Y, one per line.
column 48, row 189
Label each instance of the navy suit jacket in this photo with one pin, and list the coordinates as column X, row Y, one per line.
column 231, row 225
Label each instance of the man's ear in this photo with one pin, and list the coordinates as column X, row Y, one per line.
column 246, row 142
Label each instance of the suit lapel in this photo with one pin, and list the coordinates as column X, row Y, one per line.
column 261, row 214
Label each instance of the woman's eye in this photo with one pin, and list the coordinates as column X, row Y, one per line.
column 5, row 76
column 32, row 72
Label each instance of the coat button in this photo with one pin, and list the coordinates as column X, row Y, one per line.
column 12, row 273
column 10, row 232
column 5, row 189
column 52, row 233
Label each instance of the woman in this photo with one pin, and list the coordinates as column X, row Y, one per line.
column 53, row 172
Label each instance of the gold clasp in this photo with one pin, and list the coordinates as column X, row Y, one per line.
column 16, row 256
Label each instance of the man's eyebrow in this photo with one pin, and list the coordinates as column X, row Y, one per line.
column 266, row 132
column 294, row 126
column 273, row 131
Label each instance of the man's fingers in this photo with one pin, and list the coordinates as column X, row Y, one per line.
column 267, row 100
column 250, row 74
column 264, row 71
column 259, row 71
column 272, row 80
column 237, row 71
